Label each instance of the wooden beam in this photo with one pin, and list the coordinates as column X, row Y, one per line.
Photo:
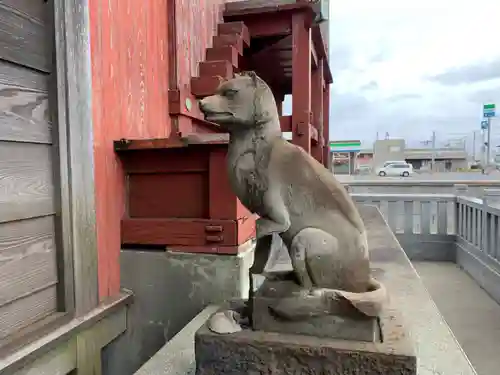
column 286, row 123
column 301, row 82
column 183, row 105
column 319, row 46
column 274, row 7
column 327, row 160
column 237, row 27
column 314, row 57
column 185, row 232
column 317, row 110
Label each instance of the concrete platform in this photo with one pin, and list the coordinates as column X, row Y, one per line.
column 259, row 352
column 473, row 316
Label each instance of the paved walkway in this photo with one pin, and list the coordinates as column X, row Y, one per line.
column 471, row 314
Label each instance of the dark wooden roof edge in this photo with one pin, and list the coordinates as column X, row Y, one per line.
column 243, row 8
column 171, row 142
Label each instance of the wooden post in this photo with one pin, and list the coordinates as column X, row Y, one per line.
column 279, row 103
column 301, row 82
column 317, row 110
column 327, row 160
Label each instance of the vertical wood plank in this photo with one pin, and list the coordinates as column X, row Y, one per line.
column 74, row 77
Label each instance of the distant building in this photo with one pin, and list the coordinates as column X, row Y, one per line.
column 446, row 159
column 344, row 154
column 387, row 149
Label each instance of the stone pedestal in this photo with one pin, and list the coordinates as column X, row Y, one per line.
column 347, row 323
column 258, row 352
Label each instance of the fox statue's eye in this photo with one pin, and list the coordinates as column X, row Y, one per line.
column 230, row 93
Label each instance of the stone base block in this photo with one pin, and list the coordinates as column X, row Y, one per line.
column 348, row 323
column 257, row 352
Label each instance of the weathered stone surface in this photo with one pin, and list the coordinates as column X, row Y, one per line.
column 257, row 352
column 347, row 323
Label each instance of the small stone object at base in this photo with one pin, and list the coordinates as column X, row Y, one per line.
column 224, row 322
column 257, row 352
column 347, row 324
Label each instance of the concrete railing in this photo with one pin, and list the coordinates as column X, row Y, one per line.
column 474, row 220
column 447, row 227
column 415, row 213
column 479, row 225
column 411, row 186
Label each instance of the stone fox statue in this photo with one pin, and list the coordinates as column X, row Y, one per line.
column 297, row 198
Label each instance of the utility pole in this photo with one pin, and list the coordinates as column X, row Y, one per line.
column 483, row 147
column 474, row 146
column 433, row 150
column 488, row 146
column 488, row 113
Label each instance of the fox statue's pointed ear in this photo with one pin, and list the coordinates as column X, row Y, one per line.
column 254, row 77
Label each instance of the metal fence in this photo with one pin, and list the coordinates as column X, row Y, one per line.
column 476, row 221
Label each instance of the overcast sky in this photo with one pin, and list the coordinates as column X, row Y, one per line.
column 411, row 67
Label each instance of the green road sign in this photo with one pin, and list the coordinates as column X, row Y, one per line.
column 489, row 106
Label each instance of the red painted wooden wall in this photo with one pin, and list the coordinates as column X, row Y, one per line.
column 132, row 71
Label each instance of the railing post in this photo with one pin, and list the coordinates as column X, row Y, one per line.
column 459, row 190
column 489, row 196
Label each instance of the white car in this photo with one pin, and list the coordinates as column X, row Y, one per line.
column 396, row 169
column 395, row 162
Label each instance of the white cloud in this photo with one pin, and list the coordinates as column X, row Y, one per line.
column 411, row 68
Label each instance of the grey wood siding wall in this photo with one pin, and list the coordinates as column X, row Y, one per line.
column 28, row 262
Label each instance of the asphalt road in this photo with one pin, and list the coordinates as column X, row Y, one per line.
column 444, row 176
